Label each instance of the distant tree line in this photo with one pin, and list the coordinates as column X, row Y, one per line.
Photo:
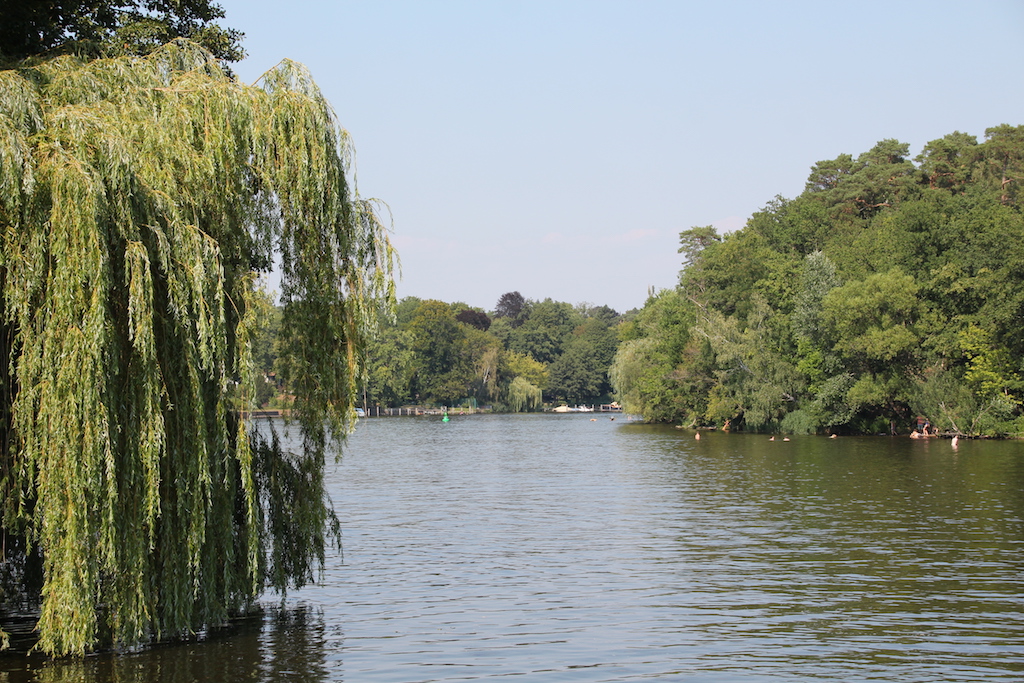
column 890, row 288
column 515, row 358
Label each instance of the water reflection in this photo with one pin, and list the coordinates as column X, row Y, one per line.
column 869, row 553
column 283, row 644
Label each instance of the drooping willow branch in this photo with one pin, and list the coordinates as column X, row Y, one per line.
column 139, row 198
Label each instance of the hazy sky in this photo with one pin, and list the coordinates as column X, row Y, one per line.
column 558, row 147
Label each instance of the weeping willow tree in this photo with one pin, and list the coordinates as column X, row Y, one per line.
column 139, row 200
column 523, row 396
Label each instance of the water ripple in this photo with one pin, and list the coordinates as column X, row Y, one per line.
column 546, row 548
column 557, row 548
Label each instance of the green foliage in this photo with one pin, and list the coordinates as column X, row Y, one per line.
column 138, row 200
column 439, row 344
column 545, row 331
column 872, row 322
column 524, row 366
column 266, row 324
column 755, row 380
column 959, row 408
column 581, row 371
column 728, row 270
column 484, row 352
column 576, row 374
column 440, row 353
column 695, row 240
column 817, row 280
column 390, row 368
column 657, row 371
column 991, row 369
column 523, row 396
column 885, row 290
column 943, row 161
column 113, row 27
column 1003, row 160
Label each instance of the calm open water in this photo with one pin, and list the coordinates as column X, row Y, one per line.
column 557, row 548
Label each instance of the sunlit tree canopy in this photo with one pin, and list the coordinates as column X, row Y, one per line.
column 112, row 27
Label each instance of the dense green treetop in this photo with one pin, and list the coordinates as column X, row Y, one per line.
column 525, row 351
column 111, row 27
column 890, row 287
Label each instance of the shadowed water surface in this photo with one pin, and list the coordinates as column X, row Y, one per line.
column 557, row 548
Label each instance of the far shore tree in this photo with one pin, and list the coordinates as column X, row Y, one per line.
column 888, row 289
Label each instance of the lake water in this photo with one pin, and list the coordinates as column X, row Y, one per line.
column 580, row 548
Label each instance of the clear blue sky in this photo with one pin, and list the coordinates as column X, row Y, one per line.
column 558, row 147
